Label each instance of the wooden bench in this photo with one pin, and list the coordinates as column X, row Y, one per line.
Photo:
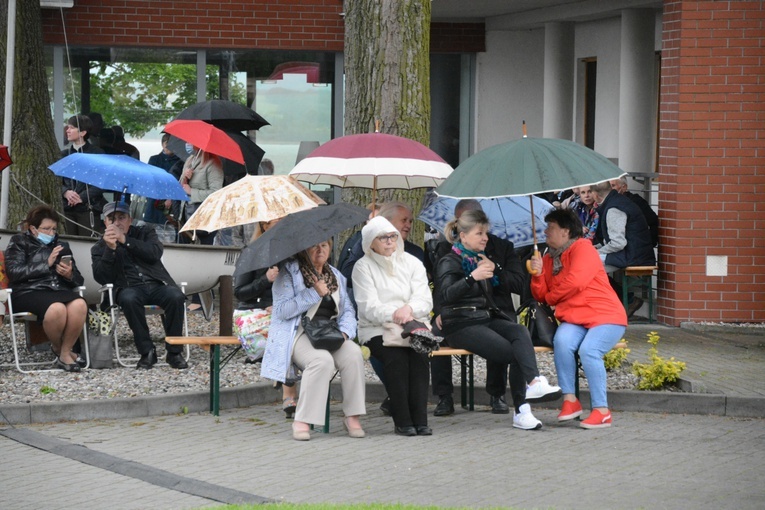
column 465, row 357
column 206, row 342
column 639, row 276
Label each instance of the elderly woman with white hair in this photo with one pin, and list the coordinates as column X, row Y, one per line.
column 393, row 297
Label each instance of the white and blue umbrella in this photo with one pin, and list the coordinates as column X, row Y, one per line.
column 120, row 173
column 510, row 217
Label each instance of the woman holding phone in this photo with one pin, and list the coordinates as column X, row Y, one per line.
column 43, row 276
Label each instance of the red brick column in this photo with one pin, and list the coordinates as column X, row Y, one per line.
column 712, row 161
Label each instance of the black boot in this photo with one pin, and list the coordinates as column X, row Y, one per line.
column 445, row 406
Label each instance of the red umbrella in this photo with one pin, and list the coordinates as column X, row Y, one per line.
column 5, row 158
column 207, row 137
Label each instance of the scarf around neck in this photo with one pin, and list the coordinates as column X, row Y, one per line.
column 470, row 260
column 555, row 254
column 308, row 272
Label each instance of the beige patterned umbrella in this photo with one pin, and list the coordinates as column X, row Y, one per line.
column 250, row 199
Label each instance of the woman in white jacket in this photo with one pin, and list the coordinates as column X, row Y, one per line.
column 391, row 286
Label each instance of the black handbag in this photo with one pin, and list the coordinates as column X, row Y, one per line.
column 541, row 322
column 323, row 333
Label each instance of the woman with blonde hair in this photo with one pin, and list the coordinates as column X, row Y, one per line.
column 464, row 284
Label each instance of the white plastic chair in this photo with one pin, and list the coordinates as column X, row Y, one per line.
column 30, row 317
column 150, row 310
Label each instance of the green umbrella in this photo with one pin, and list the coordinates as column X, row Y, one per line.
column 528, row 166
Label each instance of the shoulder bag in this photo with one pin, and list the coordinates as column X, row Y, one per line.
column 323, row 333
column 540, row 320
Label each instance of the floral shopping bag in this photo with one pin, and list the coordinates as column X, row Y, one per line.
column 251, row 326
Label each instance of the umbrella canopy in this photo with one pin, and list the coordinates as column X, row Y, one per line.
column 297, row 232
column 5, row 158
column 250, row 199
column 226, row 115
column 207, row 137
column 527, row 166
column 510, row 217
column 252, row 154
column 373, row 161
column 120, row 173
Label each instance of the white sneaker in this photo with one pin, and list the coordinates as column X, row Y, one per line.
column 541, row 391
column 525, row 420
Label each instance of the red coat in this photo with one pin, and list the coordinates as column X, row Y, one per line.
column 580, row 293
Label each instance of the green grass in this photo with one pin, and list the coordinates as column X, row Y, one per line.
column 320, row 506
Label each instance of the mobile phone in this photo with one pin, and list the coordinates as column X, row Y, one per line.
column 66, row 260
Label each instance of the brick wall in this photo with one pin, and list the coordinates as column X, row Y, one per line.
column 235, row 24
column 712, row 161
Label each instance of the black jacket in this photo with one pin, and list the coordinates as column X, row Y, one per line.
column 253, row 290
column 639, row 249
column 26, row 265
column 513, row 278
column 142, row 250
column 91, row 196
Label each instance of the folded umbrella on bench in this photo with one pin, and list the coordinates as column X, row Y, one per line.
column 414, row 334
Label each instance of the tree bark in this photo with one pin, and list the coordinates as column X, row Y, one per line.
column 33, row 143
column 387, row 79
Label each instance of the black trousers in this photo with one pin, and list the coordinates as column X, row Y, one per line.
column 500, row 343
column 132, row 301
column 496, row 376
column 406, row 375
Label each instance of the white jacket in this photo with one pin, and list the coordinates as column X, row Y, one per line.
column 382, row 285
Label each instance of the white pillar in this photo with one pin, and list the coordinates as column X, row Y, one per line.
column 636, row 85
column 558, row 106
column 201, row 75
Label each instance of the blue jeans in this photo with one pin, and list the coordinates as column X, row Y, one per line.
column 592, row 345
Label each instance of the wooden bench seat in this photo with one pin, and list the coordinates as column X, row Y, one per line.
column 639, row 276
column 206, row 342
column 465, row 357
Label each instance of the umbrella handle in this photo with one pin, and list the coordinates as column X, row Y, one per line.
column 533, row 272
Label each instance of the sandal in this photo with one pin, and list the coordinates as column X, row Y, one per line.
column 288, row 406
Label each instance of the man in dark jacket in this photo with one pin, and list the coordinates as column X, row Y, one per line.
column 650, row 215
column 622, row 238
column 130, row 258
column 513, row 279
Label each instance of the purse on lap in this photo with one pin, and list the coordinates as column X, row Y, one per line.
column 323, row 333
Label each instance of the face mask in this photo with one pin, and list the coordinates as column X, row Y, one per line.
column 44, row 238
column 189, row 148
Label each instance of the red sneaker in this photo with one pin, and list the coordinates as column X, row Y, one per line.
column 597, row 420
column 570, row 410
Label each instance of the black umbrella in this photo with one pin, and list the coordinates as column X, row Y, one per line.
column 297, row 232
column 253, row 154
column 226, row 115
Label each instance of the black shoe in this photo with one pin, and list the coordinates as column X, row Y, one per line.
column 445, row 406
column 147, row 360
column 67, row 367
column 406, row 431
column 82, row 362
column 634, row 306
column 498, row 405
column 423, row 430
column 385, row 406
column 175, row 360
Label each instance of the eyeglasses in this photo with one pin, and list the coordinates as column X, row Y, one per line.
column 388, row 238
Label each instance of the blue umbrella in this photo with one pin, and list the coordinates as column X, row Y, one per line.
column 120, row 173
column 510, row 217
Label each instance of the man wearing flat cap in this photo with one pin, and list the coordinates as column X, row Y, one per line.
column 129, row 257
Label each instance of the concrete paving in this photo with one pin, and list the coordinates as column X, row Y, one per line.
column 665, row 450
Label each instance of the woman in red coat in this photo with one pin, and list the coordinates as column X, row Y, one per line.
column 571, row 278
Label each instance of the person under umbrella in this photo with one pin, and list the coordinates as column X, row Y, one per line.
column 308, row 285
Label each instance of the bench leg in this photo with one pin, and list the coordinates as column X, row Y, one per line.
column 576, row 375
column 215, row 380
column 471, row 387
column 463, row 379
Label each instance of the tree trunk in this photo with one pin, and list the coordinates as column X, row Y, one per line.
column 387, row 79
column 33, row 143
